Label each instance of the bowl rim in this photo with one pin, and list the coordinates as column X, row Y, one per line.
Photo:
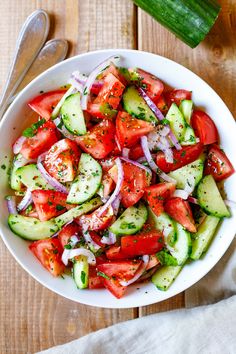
column 7, row 113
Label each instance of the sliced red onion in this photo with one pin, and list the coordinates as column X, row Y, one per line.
column 230, row 203
column 151, row 104
column 92, row 77
column 66, row 253
column 190, row 185
column 193, row 200
column 142, row 159
column 51, row 180
column 197, row 140
column 83, row 252
column 63, row 129
column 77, row 85
column 138, row 274
column 82, row 79
column 163, row 145
column 116, row 192
column 89, row 240
column 180, row 193
column 20, row 161
column 116, row 204
column 11, row 204
column 152, row 164
column 164, row 130
column 69, row 92
column 18, row 144
column 149, row 273
column 118, row 143
column 110, row 240
column 174, row 141
column 125, row 152
column 26, row 201
column 135, row 163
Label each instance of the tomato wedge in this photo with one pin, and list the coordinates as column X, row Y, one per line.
column 62, row 160
column 67, row 232
column 114, row 252
column 49, row 204
column 157, row 194
column 176, row 96
column 114, row 287
column 151, row 84
column 44, row 138
column 46, row 102
column 115, row 71
column 180, row 211
column 204, row 127
column 181, row 157
column 99, row 141
column 122, row 270
column 136, row 152
column 111, row 91
column 218, row 164
column 95, row 282
column 141, row 244
column 134, row 184
column 49, row 253
column 94, row 222
column 162, row 104
column 101, row 111
column 129, row 129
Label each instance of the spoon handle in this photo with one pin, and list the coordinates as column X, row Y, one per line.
column 32, row 36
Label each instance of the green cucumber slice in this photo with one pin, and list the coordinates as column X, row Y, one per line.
column 56, row 110
column 77, row 211
column 183, row 246
column 72, row 115
column 15, row 181
column 210, row 199
column 186, row 108
column 203, row 236
column 164, row 276
column 190, row 174
column 165, row 224
column 177, row 121
column 81, row 272
column 189, row 137
column 131, row 221
column 135, row 105
column 31, row 228
column 30, row 176
column 87, row 182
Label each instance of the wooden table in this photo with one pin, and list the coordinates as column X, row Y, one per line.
column 33, row 318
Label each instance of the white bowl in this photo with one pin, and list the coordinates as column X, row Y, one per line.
column 17, row 118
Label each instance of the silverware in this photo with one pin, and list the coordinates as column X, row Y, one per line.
column 52, row 53
column 32, row 37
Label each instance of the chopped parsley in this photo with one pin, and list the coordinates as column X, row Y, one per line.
column 32, row 130
column 166, row 259
column 101, row 274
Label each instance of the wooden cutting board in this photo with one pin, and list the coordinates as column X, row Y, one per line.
column 32, row 318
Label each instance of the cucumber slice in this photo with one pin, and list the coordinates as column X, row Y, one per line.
column 183, row 246
column 56, row 110
column 30, row 176
column 81, row 272
column 203, row 236
column 190, row 174
column 31, row 228
column 186, row 108
column 177, row 121
column 77, row 211
column 135, row 105
column 189, row 137
column 210, row 199
column 165, row 224
column 131, row 221
column 87, row 182
column 15, row 181
column 72, row 115
column 164, row 276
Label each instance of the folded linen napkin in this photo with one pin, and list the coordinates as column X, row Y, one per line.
column 207, row 329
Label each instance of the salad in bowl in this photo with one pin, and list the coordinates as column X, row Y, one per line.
column 117, row 180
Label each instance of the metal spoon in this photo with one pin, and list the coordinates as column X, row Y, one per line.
column 52, row 53
column 32, row 37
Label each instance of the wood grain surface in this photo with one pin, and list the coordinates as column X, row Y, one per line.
column 33, row 318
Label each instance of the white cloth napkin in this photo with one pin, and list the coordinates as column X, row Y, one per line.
column 207, row 329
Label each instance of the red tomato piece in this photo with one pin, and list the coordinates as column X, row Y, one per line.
column 129, row 129
column 218, row 164
column 95, row 282
column 49, row 204
column 62, row 160
column 49, row 253
column 46, row 102
column 107, row 164
column 111, row 91
column 44, row 138
column 115, row 71
column 153, row 262
column 176, row 96
column 136, row 152
column 204, row 127
column 181, row 157
column 114, row 253
column 99, row 141
column 180, row 211
column 67, row 232
column 114, row 287
column 101, row 110
column 141, row 244
column 157, row 194
column 122, row 270
column 161, row 104
column 94, row 222
column 151, row 84
column 134, row 184
column 108, row 185
column 96, row 238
